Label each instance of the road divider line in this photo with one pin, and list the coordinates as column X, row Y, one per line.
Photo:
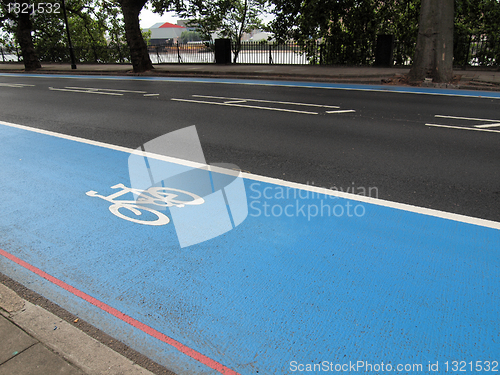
column 16, row 85
column 342, row 111
column 151, row 94
column 236, row 101
column 256, row 82
column 266, row 101
column 293, row 185
column 100, row 89
column 466, row 118
column 246, row 106
column 87, row 92
column 123, row 317
column 488, row 125
column 463, row 128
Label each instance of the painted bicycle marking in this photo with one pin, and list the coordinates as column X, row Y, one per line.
column 154, row 196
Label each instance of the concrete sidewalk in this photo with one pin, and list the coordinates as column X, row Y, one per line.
column 36, row 342
column 472, row 78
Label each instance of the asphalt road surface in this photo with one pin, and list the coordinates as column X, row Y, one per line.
column 365, row 142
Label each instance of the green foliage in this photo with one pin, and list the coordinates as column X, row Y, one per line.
column 96, row 27
column 146, row 35
column 190, row 36
column 347, row 28
column 228, row 18
column 477, row 17
column 7, row 24
column 477, row 31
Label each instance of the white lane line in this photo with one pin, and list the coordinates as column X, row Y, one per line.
column 304, row 85
column 99, row 89
column 466, row 118
column 488, row 125
column 86, row 92
column 236, row 101
column 151, row 94
column 246, row 106
column 463, row 128
column 17, row 85
column 293, row 185
column 342, row 111
column 266, row 101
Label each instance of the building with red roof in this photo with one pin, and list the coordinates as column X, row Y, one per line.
column 164, row 33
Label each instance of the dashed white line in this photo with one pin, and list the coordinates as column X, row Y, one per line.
column 87, row 92
column 481, row 127
column 463, row 128
column 466, row 118
column 235, row 101
column 246, row 106
column 488, row 125
column 16, row 85
column 266, row 101
column 100, row 89
column 342, row 111
column 305, row 85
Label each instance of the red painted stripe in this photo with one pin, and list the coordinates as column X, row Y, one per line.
column 135, row 323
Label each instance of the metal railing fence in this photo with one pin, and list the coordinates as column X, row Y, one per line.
column 468, row 51
column 85, row 54
column 474, row 50
column 9, row 53
column 183, row 53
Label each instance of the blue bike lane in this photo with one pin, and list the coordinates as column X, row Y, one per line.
column 308, row 282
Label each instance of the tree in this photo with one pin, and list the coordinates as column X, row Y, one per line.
column 229, row 18
column 346, row 29
column 25, row 40
column 96, row 26
column 88, row 24
column 434, row 50
column 138, row 48
column 23, row 28
column 477, row 22
column 190, row 36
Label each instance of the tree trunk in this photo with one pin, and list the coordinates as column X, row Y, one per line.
column 25, row 40
column 138, row 49
column 239, row 33
column 434, row 50
column 237, row 49
column 444, row 41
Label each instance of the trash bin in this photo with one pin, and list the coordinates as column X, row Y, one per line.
column 223, row 51
column 384, row 50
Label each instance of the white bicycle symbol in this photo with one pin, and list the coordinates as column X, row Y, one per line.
column 158, row 196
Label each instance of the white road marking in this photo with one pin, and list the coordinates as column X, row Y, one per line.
column 488, row 125
column 87, row 92
column 305, row 85
column 466, row 118
column 17, row 85
column 245, row 106
column 266, row 101
column 151, row 94
column 236, row 101
column 99, row 89
column 293, row 185
column 483, row 127
column 342, row 111
column 463, row 128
